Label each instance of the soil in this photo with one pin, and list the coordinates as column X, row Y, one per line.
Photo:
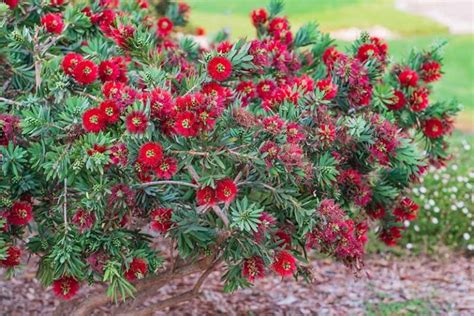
column 443, row 285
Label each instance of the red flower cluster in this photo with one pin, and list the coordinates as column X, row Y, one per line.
column 83, row 219
column 259, row 17
column 12, row 259
column 433, row 128
column 284, row 264
column 253, row 268
column 219, row 68
column 225, row 192
column 161, row 219
column 82, row 70
column 66, row 287
column 20, row 213
column 164, row 27
column 137, row 270
column 53, row 23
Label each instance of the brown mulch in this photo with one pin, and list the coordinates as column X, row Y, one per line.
column 446, row 284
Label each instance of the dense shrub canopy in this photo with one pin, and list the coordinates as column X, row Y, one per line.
column 117, row 130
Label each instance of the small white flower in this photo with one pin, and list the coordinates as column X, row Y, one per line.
column 460, row 204
column 406, row 223
column 435, row 193
column 436, row 209
column 431, row 202
column 444, row 181
column 469, row 186
column 436, row 177
column 454, row 189
column 454, row 208
column 409, row 246
column 453, row 196
column 472, row 223
column 434, row 220
column 415, row 191
column 465, row 210
column 423, row 190
column 467, row 147
column 470, row 247
column 466, row 236
column 427, row 206
column 416, row 228
column 454, row 167
column 469, row 215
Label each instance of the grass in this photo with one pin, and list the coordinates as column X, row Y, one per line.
column 409, row 307
column 330, row 14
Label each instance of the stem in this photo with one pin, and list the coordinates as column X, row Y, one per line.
column 8, row 101
column 65, row 205
column 147, row 184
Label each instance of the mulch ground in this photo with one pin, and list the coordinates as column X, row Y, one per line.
column 445, row 284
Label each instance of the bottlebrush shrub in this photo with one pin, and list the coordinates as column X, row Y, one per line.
column 118, row 133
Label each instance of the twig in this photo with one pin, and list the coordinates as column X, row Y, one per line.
column 65, row 205
column 193, row 173
column 8, row 101
column 221, row 215
column 36, row 50
column 147, row 184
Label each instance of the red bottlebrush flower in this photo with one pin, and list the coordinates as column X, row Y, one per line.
column 212, row 88
column 408, row 78
column 185, row 124
column 113, row 89
column 284, row 264
column 367, row 51
column 329, row 88
column 278, row 24
column 137, row 270
column 219, row 68
column 430, row 71
column 161, row 219
column 381, row 46
column 166, row 169
column 224, row 47
column 406, row 210
column 12, row 259
column 253, row 268
column 206, row 196
column 200, row 31
column 390, row 236
column 65, row 287
column 56, row 3
column 226, row 190
column 150, row 154
column 119, row 154
column 259, row 17
column 294, row 133
column 84, row 220
column 53, row 23
column 85, row 72
column 94, row 120
column 283, row 239
column 273, row 124
column 330, row 56
column 69, row 63
column 143, row 4
column 108, row 71
column 433, row 128
column 20, row 213
column 265, row 89
column 110, row 110
column 96, row 149
column 398, row 101
column 136, row 122
column 11, row 3
column 419, row 100
column 327, row 133
column 376, row 212
column 164, row 27
column 121, row 195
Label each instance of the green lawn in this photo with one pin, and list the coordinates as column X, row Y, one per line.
column 330, row 14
